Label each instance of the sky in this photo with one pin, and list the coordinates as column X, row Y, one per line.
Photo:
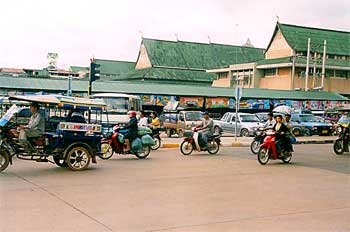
column 111, row 29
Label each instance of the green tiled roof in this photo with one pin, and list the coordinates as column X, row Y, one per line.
column 113, row 67
column 338, row 42
column 78, row 68
column 36, row 84
column 190, row 55
column 302, row 60
column 178, row 75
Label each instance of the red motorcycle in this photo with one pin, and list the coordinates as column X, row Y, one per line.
column 268, row 150
column 113, row 142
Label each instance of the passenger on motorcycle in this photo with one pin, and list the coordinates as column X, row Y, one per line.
column 143, row 122
column 282, row 132
column 287, row 121
column 206, row 127
column 132, row 129
column 270, row 121
column 35, row 127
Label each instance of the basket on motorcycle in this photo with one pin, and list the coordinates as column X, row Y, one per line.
column 143, row 131
column 148, row 140
column 136, row 144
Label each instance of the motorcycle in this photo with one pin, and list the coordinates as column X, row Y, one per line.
column 113, row 142
column 268, row 150
column 342, row 143
column 157, row 139
column 258, row 139
column 194, row 142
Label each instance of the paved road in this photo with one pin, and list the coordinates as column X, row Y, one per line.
column 171, row 192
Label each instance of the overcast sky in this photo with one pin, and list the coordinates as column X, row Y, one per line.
column 110, row 29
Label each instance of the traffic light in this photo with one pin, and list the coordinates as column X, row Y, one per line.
column 94, row 71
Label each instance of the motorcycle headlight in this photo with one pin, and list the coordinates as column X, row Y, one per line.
column 339, row 129
column 258, row 133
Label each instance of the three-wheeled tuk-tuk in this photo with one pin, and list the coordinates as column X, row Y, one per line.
column 70, row 144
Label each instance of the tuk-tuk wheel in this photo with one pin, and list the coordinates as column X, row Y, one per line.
column 78, row 158
column 4, row 159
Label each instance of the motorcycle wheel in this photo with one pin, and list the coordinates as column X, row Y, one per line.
column 158, row 143
column 287, row 158
column 144, row 152
column 106, row 151
column 4, row 159
column 186, row 148
column 78, row 158
column 263, row 156
column 213, row 147
column 60, row 162
column 255, row 146
column 338, row 147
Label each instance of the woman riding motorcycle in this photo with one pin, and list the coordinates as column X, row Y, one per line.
column 282, row 132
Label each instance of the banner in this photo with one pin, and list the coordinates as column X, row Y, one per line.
column 191, row 101
column 218, row 102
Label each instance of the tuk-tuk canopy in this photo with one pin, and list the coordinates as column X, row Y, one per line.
column 64, row 102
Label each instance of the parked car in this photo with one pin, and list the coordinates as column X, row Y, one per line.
column 247, row 124
column 180, row 121
column 312, row 125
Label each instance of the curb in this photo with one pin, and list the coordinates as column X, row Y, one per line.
column 240, row 144
column 315, row 142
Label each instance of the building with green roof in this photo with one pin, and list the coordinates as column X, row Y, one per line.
column 183, row 62
column 285, row 62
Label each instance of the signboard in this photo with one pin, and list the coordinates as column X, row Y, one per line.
column 238, row 93
column 191, row 101
column 71, row 126
column 218, row 102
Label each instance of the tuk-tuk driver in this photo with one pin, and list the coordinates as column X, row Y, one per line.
column 36, row 125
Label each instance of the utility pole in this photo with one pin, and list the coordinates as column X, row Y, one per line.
column 307, row 64
column 293, row 71
column 314, row 71
column 69, row 92
column 323, row 64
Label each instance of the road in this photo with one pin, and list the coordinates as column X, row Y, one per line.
column 171, row 192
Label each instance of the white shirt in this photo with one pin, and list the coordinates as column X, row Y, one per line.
column 143, row 122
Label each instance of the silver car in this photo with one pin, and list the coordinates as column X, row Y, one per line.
column 247, row 124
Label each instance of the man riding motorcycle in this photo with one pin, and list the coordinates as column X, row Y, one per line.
column 132, row 129
column 206, row 127
column 345, row 119
column 270, row 121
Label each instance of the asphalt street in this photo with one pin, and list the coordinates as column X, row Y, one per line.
column 229, row 191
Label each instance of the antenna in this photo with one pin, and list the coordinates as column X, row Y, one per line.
column 141, row 34
column 177, row 37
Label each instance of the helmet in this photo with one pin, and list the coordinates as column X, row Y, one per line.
column 132, row 113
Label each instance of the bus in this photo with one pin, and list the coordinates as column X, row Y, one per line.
column 118, row 105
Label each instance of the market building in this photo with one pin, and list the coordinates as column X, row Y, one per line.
column 285, row 62
column 183, row 62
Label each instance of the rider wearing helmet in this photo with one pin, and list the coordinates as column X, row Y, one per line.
column 282, row 141
column 132, row 129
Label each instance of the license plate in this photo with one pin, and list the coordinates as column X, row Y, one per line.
column 324, row 131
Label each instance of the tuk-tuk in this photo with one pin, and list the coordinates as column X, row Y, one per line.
column 70, row 144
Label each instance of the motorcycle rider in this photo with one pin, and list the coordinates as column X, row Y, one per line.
column 345, row 118
column 155, row 123
column 206, row 127
column 132, row 129
column 282, row 132
column 270, row 121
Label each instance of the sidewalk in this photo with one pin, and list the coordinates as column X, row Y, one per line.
column 228, row 140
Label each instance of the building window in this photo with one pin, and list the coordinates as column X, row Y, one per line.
column 271, row 72
column 341, row 73
column 222, row 75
